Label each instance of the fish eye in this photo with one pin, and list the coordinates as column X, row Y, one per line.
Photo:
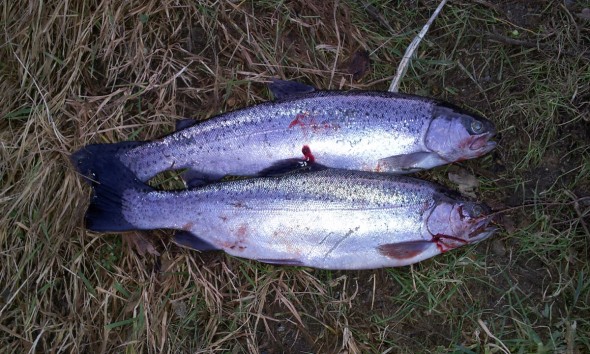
column 471, row 210
column 476, row 210
column 477, row 127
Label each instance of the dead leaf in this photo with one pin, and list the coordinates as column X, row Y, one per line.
column 498, row 248
column 508, row 223
column 140, row 241
column 180, row 308
column 166, row 266
column 466, row 182
column 359, row 64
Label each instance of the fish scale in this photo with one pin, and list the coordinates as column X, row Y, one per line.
column 357, row 130
column 299, row 212
column 345, row 130
column 330, row 219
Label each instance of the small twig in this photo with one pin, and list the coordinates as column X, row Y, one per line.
column 374, row 13
column 336, row 3
column 374, row 276
column 56, row 131
column 403, row 65
column 581, row 214
column 488, row 4
column 485, row 328
column 507, row 40
column 573, row 21
column 505, row 210
column 527, row 44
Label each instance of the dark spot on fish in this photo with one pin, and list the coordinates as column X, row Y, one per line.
column 237, row 246
column 239, row 204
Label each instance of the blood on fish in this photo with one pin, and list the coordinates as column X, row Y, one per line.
column 307, row 154
column 241, row 231
column 440, row 244
column 319, row 127
column 188, row 226
column 308, row 123
column 378, row 168
column 298, row 120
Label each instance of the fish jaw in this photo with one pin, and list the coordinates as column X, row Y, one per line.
column 452, row 224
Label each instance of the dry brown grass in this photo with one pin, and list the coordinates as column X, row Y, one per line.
column 76, row 72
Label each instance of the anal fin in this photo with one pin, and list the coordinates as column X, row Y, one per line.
column 189, row 240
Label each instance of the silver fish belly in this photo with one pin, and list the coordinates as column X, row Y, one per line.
column 331, row 219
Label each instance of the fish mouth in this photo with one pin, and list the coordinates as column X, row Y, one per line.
column 482, row 143
column 482, row 235
column 482, row 232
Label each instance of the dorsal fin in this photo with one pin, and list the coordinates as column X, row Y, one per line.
column 283, row 89
column 185, row 123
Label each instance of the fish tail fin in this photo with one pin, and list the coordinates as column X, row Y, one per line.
column 110, row 179
column 93, row 157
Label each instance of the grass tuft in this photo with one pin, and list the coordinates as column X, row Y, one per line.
column 80, row 72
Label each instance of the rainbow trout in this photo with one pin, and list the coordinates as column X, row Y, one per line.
column 326, row 218
column 357, row 130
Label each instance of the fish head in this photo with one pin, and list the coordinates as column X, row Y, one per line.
column 457, row 135
column 453, row 223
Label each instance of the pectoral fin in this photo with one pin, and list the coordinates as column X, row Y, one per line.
column 404, row 250
column 283, row 89
column 189, row 240
column 410, row 162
